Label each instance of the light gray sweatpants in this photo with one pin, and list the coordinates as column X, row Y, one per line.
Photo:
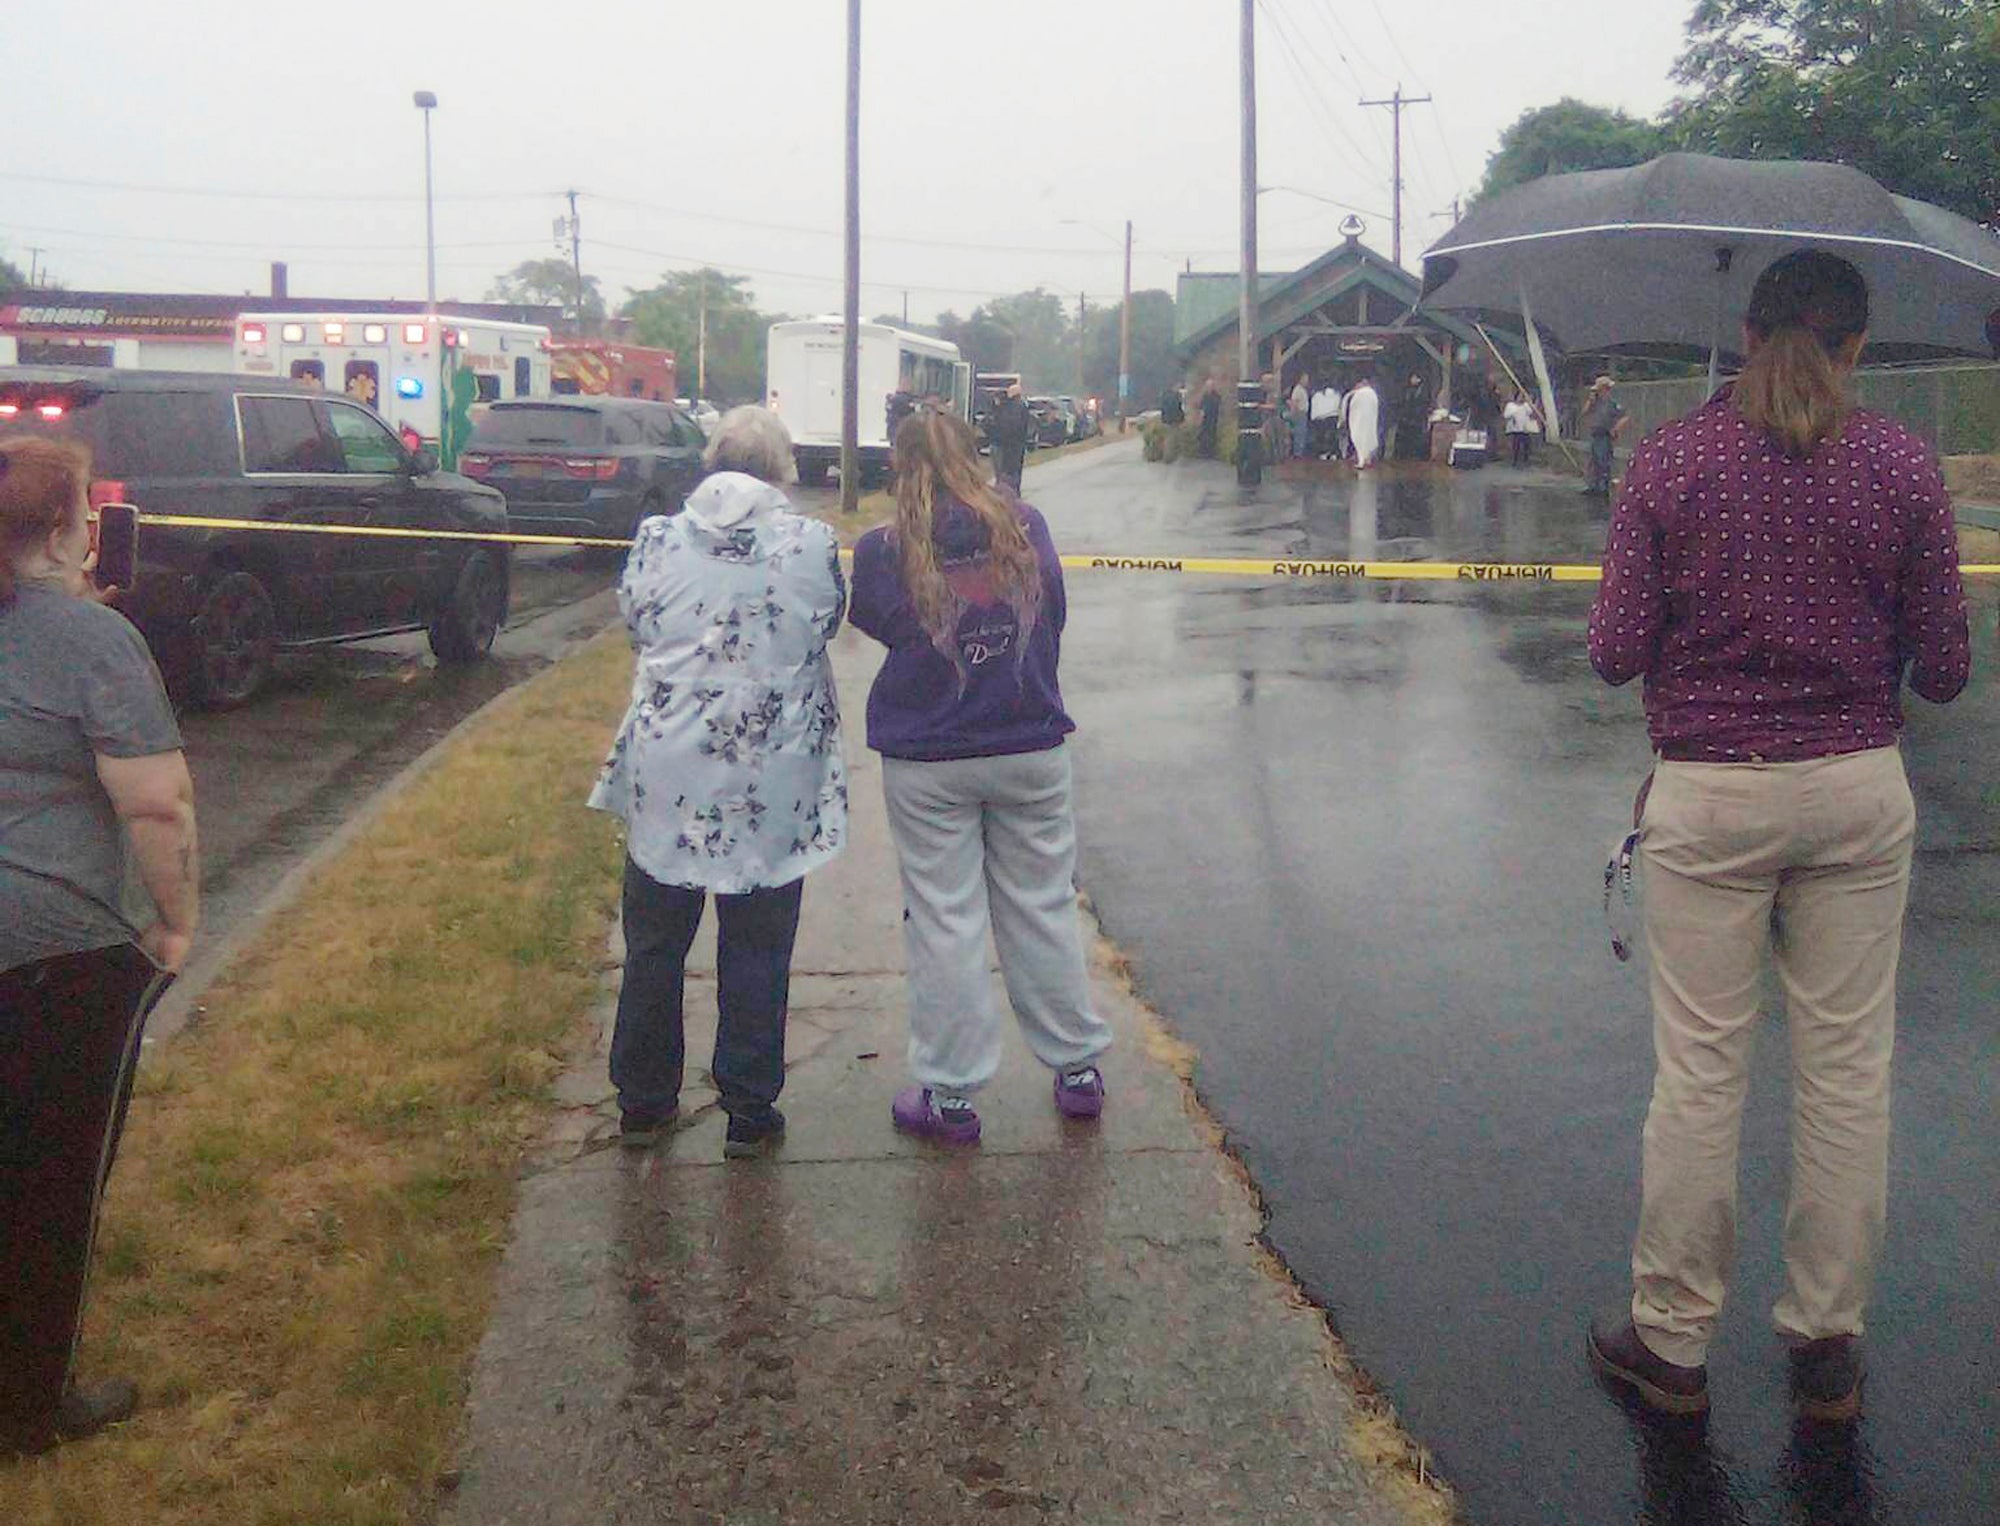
column 984, row 838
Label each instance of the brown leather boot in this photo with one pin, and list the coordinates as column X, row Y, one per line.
column 1622, row 1359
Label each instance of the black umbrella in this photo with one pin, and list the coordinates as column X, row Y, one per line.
column 1660, row 258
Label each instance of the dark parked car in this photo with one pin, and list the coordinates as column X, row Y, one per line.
column 217, row 604
column 586, row 465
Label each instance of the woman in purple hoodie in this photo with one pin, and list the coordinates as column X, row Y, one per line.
column 966, row 591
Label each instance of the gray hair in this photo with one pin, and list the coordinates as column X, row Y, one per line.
column 752, row 440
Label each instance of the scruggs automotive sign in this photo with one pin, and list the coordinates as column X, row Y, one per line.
column 133, row 322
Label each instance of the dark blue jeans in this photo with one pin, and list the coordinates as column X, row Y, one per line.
column 1600, row 463
column 753, row 984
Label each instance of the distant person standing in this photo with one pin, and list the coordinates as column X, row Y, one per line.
column 1211, row 420
column 1522, row 424
column 1173, row 406
column 1776, row 564
column 1604, row 420
column 1300, row 404
column 1007, row 429
column 1364, row 423
column 1326, row 420
column 1413, row 420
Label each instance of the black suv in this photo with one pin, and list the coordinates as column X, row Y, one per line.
column 216, row 605
column 586, row 465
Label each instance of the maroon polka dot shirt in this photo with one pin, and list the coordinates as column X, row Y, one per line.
column 1773, row 603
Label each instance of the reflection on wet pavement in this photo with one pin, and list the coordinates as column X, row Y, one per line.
column 1353, row 835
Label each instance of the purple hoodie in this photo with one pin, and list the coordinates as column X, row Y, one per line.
column 1010, row 701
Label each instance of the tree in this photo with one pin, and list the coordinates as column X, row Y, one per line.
column 986, row 343
column 1570, row 135
column 1905, row 90
column 549, row 283
column 12, row 277
column 1153, row 365
column 671, row 315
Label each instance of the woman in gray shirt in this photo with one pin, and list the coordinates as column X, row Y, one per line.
column 92, row 781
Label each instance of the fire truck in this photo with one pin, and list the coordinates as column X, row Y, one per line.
column 606, row 368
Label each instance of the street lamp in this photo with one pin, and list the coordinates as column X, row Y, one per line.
column 426, row 102
column 1124, row 319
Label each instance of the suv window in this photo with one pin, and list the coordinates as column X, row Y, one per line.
column 687, row 431
column 659, row 427
column 365, row 442
column 621, row 428
column 282, row 434
column 527, row 425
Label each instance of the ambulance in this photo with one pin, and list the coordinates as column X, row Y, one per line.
column 424, row 374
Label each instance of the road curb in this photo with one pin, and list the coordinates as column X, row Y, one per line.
column 182, row 1004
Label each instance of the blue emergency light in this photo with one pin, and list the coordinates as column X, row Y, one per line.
column 409, row 386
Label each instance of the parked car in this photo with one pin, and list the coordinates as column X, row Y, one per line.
column 1082, row 417
column 218, row 604
column 702, row 411
column 1048, row 424
column 585, row 465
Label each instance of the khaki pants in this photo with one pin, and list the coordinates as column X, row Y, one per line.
column 1812, row 861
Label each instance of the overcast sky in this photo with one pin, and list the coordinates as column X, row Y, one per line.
column 712, row 133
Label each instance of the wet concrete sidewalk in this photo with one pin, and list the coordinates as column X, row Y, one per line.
column 1068, row 1323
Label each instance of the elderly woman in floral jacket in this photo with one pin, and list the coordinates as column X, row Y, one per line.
column 727, row 772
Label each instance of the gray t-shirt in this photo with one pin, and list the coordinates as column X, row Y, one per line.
column 76, row 680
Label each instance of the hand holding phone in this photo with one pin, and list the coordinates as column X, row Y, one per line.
column 116, row 552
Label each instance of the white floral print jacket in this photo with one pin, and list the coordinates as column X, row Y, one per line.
column 727, row 770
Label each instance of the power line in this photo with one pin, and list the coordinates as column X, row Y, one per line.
column 70, row 182
column 1316, row 100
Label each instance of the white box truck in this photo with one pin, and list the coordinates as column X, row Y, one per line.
column 898, row 370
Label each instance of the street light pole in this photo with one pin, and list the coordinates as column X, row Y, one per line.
column 427, row 103
column 1125, row 336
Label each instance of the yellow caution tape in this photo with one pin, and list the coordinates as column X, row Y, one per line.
column 1214, row 566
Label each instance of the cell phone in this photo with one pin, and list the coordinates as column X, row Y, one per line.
column 117, row 545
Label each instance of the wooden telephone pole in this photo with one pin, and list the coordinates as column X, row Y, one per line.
column 1396, row 103
column 1249, row 384
column 850, row 345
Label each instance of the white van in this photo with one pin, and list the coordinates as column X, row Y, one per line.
column 897, row 370
column 409, row 367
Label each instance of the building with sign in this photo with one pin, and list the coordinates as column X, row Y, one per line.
column 154, row 331
column 1348, row 311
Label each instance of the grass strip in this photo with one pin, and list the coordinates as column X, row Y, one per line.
column 298, row 1252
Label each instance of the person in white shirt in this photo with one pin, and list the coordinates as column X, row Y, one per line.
column 1326, row 421
column 1363, row 411
column 1523, row 424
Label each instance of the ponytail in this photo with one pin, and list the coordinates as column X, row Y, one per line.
column 1791, row 389
column 1804, row 310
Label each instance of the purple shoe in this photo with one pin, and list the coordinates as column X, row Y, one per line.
column 1080, row 1092
column 915, row 1112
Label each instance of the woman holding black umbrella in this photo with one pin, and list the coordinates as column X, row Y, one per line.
column 1776, row 562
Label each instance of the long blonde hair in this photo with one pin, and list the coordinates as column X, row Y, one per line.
column 1806, row 309
column 937, row 461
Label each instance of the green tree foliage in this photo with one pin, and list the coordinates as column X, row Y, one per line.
column 982, row 339
column 1153, row 365
column 670, row 315
column 1570, row 135
column 549, row 283
column 12, row 277
column 1906, row 90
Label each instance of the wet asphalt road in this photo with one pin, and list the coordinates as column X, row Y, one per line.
column 1353, row 836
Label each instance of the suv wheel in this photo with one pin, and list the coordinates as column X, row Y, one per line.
column 464, row 629
column 235, row 640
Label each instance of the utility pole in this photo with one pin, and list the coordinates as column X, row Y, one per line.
column 701, row 340
column 576, row 259
column 1249, row 388
column 850, row 348
column 1082, row 349
column 34, row 265
column 1125, row 337
column 1396, row 103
